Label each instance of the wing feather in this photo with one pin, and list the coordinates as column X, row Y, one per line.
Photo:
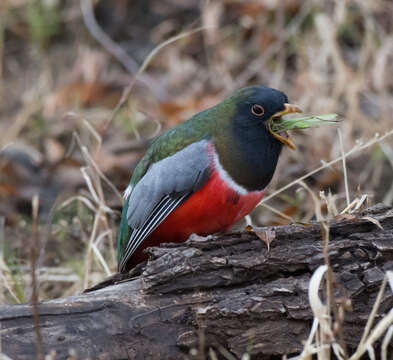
column 161, row 211
column 164, row 187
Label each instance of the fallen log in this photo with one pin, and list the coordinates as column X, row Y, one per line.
column 229, row 294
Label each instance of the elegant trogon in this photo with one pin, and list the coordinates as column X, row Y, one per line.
column 203, row 175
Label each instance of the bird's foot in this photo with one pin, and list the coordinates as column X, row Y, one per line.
column 198, row 238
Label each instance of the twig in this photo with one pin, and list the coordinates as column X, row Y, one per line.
column 331, row 300
column 386, row 342
column 340, row 136
column 90, row 247
column 317, row 202
column 128, row 89
column 34, row 297
column 101, row 36
column 98, row 253
column 90, row 160
column 327, row 337
column 358, row 147
column 2, row 223
column 92, row 176
column 278, row 212
column 374, row 311
column 3, row 16
column 368, row 339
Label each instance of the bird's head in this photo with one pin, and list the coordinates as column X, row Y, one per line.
column 258, row 106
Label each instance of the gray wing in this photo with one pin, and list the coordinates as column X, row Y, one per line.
column 164, row 187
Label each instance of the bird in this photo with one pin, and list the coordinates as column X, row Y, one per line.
column 203, row 175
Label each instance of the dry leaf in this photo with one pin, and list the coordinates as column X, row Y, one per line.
column 267, row 236
column 374, row 221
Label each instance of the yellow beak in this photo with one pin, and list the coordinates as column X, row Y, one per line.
column 286, row 140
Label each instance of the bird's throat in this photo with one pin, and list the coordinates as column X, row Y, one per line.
column 248, row 161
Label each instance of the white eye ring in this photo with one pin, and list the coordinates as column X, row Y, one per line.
column 257, row 110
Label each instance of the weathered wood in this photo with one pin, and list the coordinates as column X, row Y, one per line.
column 229, row 292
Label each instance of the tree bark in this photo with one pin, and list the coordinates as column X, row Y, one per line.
column 230, row 293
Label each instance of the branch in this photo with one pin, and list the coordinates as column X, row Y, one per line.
column 225, row 294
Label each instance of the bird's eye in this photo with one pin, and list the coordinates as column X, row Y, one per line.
column 257, row 110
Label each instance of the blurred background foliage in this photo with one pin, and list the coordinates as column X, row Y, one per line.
column 65, row 64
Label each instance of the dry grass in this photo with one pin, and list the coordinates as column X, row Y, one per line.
column 321, row 340
column 328, row 56
column 326, row 336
